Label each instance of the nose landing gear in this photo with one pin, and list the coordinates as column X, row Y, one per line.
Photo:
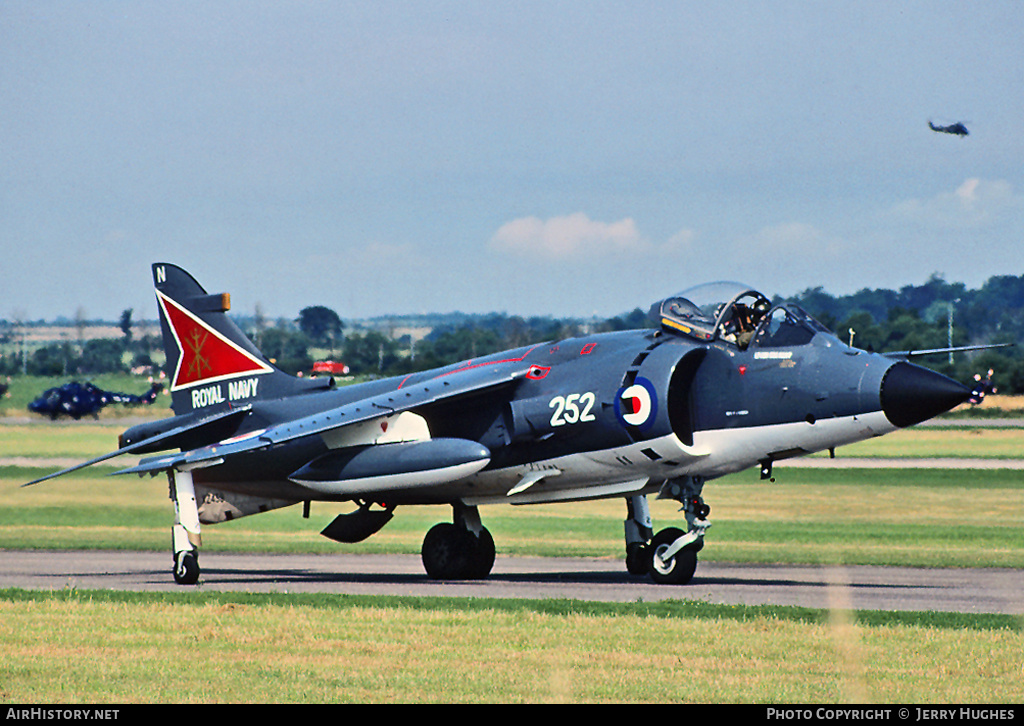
column 670, row 556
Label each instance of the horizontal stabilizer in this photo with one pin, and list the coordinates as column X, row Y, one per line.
column 84, row 464
column 153, row 465
column 407, row 465
column 168, row 439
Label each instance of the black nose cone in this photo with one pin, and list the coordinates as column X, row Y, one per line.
column 912, row 394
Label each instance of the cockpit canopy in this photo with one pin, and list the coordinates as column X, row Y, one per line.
column 735, row 313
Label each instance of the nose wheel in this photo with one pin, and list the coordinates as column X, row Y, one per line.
column 672, row 563
column 670, row 556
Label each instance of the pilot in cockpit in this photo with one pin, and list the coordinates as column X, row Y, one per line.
column 743, row 319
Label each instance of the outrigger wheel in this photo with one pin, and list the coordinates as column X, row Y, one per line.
column 186, row 567
column 185, row 533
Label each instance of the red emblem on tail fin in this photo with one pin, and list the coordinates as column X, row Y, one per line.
column 204, row 355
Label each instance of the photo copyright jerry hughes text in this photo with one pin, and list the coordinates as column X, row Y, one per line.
column 902, row 713
column 56, row 713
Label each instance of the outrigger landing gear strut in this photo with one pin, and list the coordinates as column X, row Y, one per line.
column 670, row 556
column 185, row 535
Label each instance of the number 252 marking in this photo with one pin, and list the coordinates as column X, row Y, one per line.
column 574, row 408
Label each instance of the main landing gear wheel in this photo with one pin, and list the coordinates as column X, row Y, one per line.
column 638, row 535
column 672, row 569
column 451, row 552
column 638, row 559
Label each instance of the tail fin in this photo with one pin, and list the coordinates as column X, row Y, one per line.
column 212, row 365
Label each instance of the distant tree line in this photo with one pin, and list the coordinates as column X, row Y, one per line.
column 82, row 358
column 922, row 317
column 912, row 318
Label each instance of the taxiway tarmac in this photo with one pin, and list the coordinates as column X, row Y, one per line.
column 848, row 587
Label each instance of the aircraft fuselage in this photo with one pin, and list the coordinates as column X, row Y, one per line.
column 599, row 416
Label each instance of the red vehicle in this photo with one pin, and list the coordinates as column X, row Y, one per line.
column 334, row 368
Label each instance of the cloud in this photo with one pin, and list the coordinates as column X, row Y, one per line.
column 975, row 203
column 681, row 242
column 576, row 236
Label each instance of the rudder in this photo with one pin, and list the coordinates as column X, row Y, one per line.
column 211, row 363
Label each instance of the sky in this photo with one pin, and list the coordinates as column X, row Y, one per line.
column 557, row 157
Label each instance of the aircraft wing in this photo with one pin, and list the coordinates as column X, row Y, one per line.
column 167, row 439
column 451, row 385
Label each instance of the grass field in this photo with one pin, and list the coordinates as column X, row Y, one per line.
column 194, row 646
column 75, row 647
column 885, row 517
column 964, row 442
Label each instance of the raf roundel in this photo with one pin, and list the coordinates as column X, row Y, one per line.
column 637, row 405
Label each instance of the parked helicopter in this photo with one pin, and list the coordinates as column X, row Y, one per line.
column 77, row 399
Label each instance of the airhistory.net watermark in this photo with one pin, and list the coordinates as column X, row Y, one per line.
column 22, row 713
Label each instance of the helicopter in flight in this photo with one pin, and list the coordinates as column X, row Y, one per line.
column 957, row 129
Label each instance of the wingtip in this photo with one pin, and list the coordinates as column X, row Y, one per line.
column 43, row 478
